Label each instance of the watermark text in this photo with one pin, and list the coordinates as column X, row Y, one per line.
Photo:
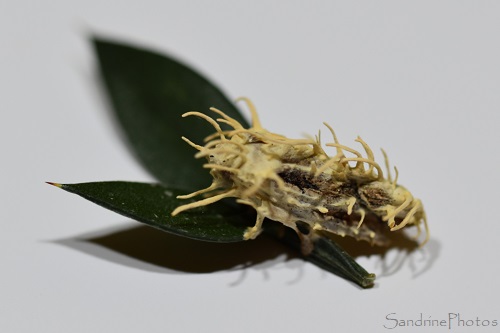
column 449, row 321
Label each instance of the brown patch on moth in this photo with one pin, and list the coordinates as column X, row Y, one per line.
column 294, row 181
column 298, row 178
column 376, row 197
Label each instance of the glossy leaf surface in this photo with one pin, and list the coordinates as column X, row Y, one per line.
column 152, row 204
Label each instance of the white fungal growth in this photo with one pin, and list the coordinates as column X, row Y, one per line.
column 294, row 181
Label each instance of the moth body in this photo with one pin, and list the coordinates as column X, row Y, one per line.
column 294, row 181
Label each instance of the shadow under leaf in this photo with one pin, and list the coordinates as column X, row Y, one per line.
column 149, row 249
column 145, row 248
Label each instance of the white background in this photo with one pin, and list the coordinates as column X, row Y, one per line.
column 419, row 78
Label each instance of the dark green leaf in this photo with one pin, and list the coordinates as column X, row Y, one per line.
column 149, row 93
column 327, row 255
column 152, row 204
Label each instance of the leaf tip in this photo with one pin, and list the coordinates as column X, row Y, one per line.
column 54, row 184
column 368, row 281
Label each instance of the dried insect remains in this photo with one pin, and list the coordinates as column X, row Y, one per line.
column 294, row 181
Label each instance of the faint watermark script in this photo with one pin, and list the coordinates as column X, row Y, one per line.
column 450, row 321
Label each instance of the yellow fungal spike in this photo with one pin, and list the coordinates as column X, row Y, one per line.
column 372, row 164
column 391, row 217
column 254, row 231
column 386, row 160
column 339, row 151
column 396, row 176
column 192, row 144
column 408, row 216
column 362, row 213
column 228, row 120
column 322, row 209
column 212, row 187
column 350, row 205
column 342, row 147
column 371, row 157
column 427, row 232
column 331, row 162
column 207, row 118
column 314, row 168
column 204, row 202
column 220, row 167
column 255, row 117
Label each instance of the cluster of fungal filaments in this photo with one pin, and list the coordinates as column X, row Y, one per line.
column 295, row 182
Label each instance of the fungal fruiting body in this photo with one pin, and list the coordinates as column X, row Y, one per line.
column 294, row 181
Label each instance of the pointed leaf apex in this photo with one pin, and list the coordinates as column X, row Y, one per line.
column 55, row 184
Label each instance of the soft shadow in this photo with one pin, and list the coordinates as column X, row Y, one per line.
column 403, row 252
column 146, row 248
